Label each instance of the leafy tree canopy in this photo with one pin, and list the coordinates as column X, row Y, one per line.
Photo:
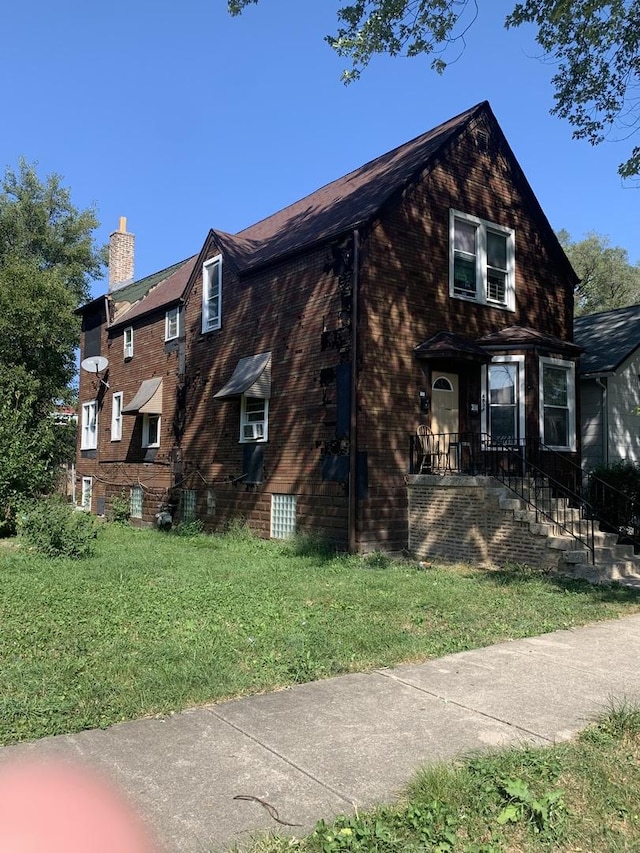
column 594, row 44
column 608, row 280
column 47, row 261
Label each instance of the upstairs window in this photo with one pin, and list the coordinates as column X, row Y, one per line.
column 212, row 294
column 116, row 417
column 254, row 414
column 128, row 343
column 481, row 261
column 172, row 324
column 557, row 404
column 89, row 435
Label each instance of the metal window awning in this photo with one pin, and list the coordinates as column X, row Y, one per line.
column 252, row 376
column 147, row 399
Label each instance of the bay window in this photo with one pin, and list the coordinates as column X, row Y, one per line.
column 557, row 404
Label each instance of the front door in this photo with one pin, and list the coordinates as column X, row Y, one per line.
column 445, row 403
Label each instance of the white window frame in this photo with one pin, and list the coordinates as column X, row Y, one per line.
column 485, row 421
column 482, row 290
column 116, row 416
column 89, row 434
column 86, row 494
column 146, row 420
column 570, row 367
column 127, row 342
column 211, row 287
column 258, row 427
column 172, row 323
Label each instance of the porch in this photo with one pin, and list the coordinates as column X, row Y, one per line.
column 474, row 496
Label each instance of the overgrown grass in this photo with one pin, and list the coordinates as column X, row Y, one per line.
column 156, row 622
column 579, row 796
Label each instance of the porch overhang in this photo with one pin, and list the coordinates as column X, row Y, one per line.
column 252, row 376
column 147, row 399
column 522, row 338
column 446, row 346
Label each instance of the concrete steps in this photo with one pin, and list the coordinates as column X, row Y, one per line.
column 613, row 562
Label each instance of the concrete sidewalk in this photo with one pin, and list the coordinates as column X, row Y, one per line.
column 323, row 748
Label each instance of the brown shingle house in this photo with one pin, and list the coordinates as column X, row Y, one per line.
column 279, row 377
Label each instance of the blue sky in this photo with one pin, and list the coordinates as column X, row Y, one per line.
column 182, row 119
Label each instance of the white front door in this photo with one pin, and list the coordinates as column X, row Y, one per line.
column 445, row 404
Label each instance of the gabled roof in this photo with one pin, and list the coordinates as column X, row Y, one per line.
column 343, row 204
column 149, row 294
column 609, row 338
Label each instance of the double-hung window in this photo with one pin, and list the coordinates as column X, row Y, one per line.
column 128, row 343
column 254, row 419
column 172, row 324
column 116, row 416
column 151, row 430
column 481, row 261
column 503, row 399
column 212, row 294
column 89, row 435
column 557, row 404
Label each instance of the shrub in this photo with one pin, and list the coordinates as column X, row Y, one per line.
column 195, row 527
column 56, row 529
column 620, row 505
column 120, row 509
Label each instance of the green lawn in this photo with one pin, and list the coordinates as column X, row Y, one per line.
column 158, row 622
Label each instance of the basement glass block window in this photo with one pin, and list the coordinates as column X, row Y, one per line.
column 135, row 504
column 187, row 505
column 283, row 516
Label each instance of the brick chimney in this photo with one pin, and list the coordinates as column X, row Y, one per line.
column 120, row 256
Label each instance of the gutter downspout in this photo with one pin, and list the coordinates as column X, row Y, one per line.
column 605, row 419
column 353, row 404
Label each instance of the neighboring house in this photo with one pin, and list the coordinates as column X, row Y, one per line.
column 426, row 286
column 610, row 386
column 126, row 410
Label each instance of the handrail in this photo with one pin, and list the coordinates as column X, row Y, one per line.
column 618, row 506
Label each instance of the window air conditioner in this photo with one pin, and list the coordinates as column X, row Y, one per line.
column 253, row 431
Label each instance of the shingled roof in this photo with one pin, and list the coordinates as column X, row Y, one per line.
column 609, row 338
column 343, row 204
column 152, row 293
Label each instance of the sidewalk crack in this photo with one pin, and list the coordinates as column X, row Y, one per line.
column 283, row 758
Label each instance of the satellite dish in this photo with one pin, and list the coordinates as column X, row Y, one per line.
column 94, row 364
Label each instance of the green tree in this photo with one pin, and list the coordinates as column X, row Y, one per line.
column 47, row 261
column 594, row 45
column 608, row 280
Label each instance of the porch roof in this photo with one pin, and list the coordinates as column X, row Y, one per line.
column 522, row 337
column 449, row 346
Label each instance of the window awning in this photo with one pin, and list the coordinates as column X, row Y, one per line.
column 252, row 376
column 148, row 398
